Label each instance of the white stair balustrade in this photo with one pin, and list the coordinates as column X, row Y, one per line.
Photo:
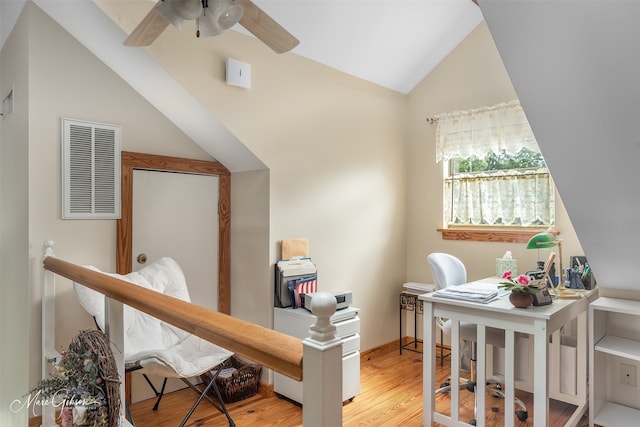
column 322, row 367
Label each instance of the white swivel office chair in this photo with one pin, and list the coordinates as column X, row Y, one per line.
column 450, row 271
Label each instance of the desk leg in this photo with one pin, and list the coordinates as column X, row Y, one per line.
column 509, row 377
column 541, row 375
column 401, row 313
column 481, row 374
column 428, row 365
column 581, row 368
column 415, row 323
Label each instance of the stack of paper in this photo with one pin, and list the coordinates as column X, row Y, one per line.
column 418, row 288
column 475, row 292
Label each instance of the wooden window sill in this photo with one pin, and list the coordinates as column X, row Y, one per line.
column 489, row 235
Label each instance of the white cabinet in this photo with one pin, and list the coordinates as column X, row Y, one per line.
column 614, row 362
column 296, row 322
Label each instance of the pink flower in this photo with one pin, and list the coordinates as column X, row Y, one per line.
column 521, row 284
column 507, row 275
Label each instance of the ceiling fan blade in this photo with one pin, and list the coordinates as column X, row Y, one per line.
column 151, row 26
column 261, row 25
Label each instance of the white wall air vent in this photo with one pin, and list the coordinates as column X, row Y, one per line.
column 90, row 170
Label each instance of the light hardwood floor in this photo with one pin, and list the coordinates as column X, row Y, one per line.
column 391, row 395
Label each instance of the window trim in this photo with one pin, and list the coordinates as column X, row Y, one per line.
column 492, row 234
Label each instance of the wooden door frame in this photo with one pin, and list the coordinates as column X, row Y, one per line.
column 124, row 227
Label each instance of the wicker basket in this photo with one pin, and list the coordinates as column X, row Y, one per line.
column 238, row 380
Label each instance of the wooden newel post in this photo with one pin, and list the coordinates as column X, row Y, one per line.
column 322, row 367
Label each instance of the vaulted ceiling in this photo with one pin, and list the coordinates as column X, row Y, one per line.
column 392, row 43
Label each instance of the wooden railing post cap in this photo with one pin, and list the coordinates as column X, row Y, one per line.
column 323, row 306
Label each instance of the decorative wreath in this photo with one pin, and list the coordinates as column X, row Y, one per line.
column 87, row 383
column 98, row 344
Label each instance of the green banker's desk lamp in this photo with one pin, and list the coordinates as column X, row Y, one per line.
column 546, row 240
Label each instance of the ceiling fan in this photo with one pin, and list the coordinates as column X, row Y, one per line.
column 212, row 18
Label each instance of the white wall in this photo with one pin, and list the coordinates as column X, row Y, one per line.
column 576, row 67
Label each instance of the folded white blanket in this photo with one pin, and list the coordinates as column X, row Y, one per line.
column 160, row 348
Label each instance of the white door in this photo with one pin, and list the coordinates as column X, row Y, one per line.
column 176, row 215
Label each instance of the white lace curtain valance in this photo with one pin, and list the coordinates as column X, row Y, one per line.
column 479, row 131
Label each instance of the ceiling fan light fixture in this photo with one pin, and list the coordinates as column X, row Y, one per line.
column 213, row 20
column 220, row 16
column 230, row 13
column 207, row 25
column 165, row 8
column 186, row 9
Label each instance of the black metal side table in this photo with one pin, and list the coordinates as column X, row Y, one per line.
column 409, row 302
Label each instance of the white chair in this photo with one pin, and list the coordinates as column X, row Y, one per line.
column 450, row 271
column 153, row 347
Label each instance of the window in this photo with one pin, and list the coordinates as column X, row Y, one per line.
column 494, row 173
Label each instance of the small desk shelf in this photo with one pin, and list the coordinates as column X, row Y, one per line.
column 616, row 340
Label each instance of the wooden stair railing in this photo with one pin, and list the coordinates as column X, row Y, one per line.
column 267, row 347
column 322, row 350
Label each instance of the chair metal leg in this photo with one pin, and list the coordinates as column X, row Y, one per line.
column 470, row 385
column 203, row 394
column 128, row 415
column 224, row 408
column 158, row 394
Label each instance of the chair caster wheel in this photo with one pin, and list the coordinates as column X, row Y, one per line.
column 472, row 422
column 497, row 387
column 522, row 415
column 444, row 384
column 471, row 386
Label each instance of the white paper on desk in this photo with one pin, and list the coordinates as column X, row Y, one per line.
column 464, row 296
column 488, row 286
column 476, row 292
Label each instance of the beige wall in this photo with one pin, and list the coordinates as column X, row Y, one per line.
column 333, row 143
column 472, row 76
column 14, row 229
column 334, row 146
column 250, row 246
column 67, row 81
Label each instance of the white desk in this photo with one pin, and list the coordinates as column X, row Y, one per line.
column 538, row 322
